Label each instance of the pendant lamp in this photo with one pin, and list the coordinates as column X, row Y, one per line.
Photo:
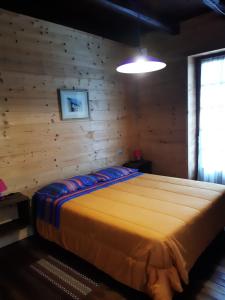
column 142, row 63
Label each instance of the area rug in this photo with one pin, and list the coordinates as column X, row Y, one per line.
column 70, row 283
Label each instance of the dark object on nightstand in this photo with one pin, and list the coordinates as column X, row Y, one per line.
column 142, row 165
column 21, row 202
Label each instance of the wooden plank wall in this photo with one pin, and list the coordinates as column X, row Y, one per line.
column 36, row 59
column 163, row 95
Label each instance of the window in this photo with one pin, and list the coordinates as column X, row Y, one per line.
column 211, row 119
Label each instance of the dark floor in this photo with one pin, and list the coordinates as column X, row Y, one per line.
column 207, row 279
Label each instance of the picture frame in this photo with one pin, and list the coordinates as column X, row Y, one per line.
column 74, row 104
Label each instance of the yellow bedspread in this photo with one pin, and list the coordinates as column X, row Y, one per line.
column 146, row 232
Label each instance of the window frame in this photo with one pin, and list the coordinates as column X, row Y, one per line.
column 198, row 61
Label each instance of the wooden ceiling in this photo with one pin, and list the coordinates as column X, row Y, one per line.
column 96, row 16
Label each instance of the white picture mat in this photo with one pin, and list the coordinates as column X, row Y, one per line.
column 74, row 104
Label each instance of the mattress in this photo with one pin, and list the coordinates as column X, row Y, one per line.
column 146, row 232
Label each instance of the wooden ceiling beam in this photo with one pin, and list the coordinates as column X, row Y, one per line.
column 149, row 21
column 217, row 5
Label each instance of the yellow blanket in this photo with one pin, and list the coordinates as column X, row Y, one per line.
column 146, row 232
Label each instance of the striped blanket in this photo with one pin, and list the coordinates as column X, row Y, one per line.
column 47, row 207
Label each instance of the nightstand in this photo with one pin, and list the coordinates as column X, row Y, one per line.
column 14, row 218
column 142, row 165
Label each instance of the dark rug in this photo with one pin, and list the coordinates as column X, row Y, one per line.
column 70, row 283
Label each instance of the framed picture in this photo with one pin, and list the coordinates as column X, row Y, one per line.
column 74, row 104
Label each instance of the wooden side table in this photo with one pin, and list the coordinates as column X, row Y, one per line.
column 14, row 218
column 142, row 165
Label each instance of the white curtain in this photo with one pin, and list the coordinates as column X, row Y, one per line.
column 211, row 158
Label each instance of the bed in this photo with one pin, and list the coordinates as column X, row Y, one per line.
column 144, row 230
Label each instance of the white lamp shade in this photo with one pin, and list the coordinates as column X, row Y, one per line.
column 141, row 64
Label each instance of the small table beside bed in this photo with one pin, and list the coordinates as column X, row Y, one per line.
column 144, row 230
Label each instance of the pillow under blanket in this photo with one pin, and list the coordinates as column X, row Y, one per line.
column 113, row 173
column 59, row 188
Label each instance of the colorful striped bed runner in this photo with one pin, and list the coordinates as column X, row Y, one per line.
column 48, row 209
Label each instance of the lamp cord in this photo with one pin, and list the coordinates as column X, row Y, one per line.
column 136, row 7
